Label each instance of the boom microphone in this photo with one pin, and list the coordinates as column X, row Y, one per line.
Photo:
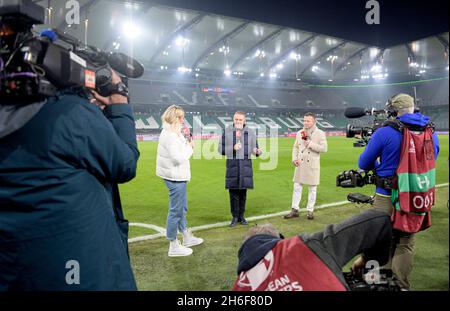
column 35, row 67
column 355, row 112
column 124, row 64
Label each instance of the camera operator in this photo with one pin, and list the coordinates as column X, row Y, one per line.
column 61, row 160
column 312, row 262
column 382, row 154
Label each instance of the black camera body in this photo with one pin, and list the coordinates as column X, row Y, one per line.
column 387, row 281
column 381, row 117
column 35, row 67
column 360, row 178
column 354, row 178
column 365, row 132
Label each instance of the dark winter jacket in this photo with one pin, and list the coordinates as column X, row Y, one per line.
column 239, row 171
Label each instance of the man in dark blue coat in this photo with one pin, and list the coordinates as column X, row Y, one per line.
column 238, row 143
column 60, row 162
column 382, row 155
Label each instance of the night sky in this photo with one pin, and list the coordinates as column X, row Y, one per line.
column 401, row 21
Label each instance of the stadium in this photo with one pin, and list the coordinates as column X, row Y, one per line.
column 213, row 64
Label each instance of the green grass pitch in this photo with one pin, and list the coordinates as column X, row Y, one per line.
column 213, row 264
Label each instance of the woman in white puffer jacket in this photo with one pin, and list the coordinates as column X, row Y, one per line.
column 172, row 165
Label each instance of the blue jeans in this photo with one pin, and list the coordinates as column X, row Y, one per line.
column 176, row 219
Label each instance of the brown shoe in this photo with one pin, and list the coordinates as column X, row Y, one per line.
column 292, row 214
column 310, row 215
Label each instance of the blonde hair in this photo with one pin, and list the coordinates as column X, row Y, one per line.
column 172, row 115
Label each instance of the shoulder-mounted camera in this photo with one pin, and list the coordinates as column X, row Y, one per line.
column 33, row 67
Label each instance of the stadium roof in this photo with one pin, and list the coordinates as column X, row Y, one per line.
column 197, row 43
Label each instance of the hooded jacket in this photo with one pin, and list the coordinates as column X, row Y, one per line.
column 59, row 163
column 54, row 167
column 385, row 144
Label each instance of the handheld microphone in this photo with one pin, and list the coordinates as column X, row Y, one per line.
column 186, row 133
column 238, row 136
column 304, row 135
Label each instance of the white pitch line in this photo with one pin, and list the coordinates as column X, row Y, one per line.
column 148, row 226
column 226, row 223
column 145, row 237
column 219, row 224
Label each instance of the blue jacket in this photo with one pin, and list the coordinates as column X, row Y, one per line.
column 58, row 172
column 385, row 144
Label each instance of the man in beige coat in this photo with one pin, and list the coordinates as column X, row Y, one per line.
column 309, row 144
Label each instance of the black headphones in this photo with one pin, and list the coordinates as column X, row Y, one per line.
column 390, row 108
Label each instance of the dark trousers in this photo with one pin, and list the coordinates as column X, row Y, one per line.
column 402, row 247
column 237, row 202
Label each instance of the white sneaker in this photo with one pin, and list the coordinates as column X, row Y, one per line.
column 177, row 250
column 190, row 240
